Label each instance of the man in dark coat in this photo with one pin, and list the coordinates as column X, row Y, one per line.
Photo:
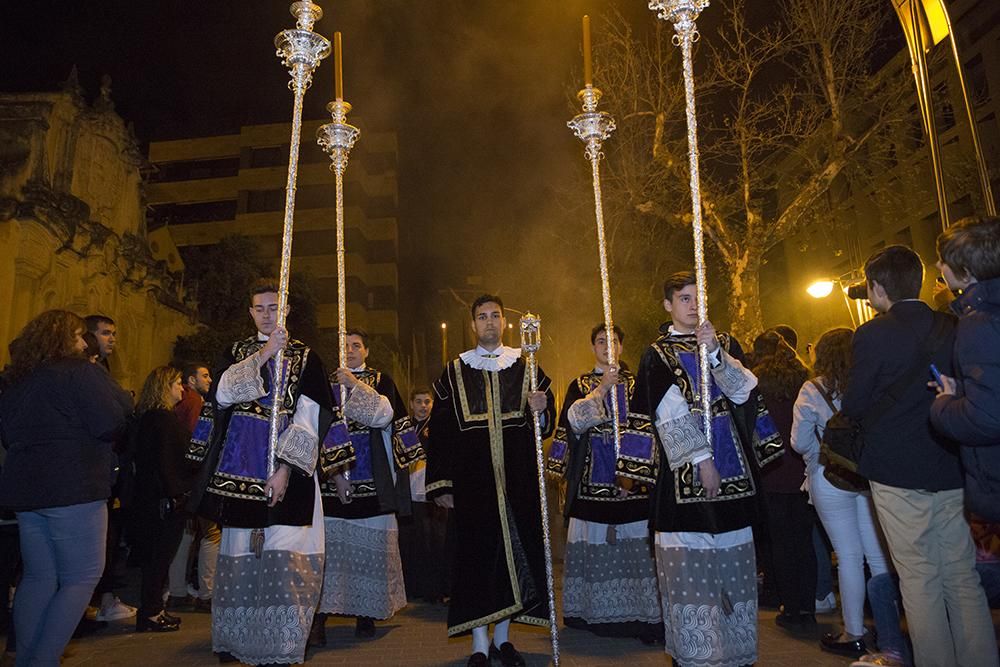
column 968, row 410
column 481, row 462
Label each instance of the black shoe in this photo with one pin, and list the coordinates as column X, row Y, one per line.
column 653, row 637
column 170, row 618
column 792, row 622
column 478, row 660
column 156, row 624
column 226, row 657
column 509, row 657
column 317, row 633
column 203, row 606
column 852, row 648
column 364, row 627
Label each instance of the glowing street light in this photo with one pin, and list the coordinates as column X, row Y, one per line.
column 820, row 289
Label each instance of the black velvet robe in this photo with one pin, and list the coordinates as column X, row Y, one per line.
column 482, row 450
column 591, row 490
column 240, row 502
column 372, row 492
column 679, row 504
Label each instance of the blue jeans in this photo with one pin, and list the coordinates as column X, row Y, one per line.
column 884, row 598
column 62, row 549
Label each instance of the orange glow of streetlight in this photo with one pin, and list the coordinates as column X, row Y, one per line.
column 820, row 289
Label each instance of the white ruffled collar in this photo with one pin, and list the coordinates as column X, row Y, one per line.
column 499, row 359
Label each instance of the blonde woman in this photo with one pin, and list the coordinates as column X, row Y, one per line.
column 163, row 480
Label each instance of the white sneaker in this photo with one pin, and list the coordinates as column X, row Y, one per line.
column 827, row 605
column 115, row 611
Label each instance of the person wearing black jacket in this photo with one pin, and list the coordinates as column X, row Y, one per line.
column 969, row 410
column 59, row 416
column 163, row 480
column 915, row 474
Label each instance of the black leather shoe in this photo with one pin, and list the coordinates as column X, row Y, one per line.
column 170, row 618
column 364, row 627
column 156, row 624
column 478, row 660
column 226, row 657
column 853, row 648
column 509, row 657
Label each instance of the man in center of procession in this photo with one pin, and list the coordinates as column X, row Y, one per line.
column 270, row 567
column 609, row 577
column 481, row 462
column 704, row 502
column 363, row 576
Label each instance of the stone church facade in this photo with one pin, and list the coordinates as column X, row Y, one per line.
column 73, row 229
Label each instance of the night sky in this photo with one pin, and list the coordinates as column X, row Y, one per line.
column 492, row 183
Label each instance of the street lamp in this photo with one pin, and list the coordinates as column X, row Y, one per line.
column 820, row 289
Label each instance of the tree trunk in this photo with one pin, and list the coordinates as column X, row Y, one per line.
column 746, row 318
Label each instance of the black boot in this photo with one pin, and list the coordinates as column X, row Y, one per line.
column 364, row 627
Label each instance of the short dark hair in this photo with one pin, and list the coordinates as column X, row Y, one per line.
column 601, row 327
column 677, row 282
column 971, row 248
column 263, row 286
column 94, row 321
column 416, row 391
column 788, row 333
column 484, row 299
column 898, row 270
column 190, row 368
column 360, row 333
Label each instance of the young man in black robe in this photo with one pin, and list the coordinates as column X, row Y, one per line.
column 270, row 565
column 609, row 574
column 481, row 462
column 363, row 576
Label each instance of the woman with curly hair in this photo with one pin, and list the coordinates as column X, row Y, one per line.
column 847, row 516
column 163, row 480
column 59, row 416
column 790, row 520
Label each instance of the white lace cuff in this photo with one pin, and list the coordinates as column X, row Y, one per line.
column 733, row 379
column 298, row 447
column 243, row 382
column 683, row 440
column 587, row 413
column 362, row 404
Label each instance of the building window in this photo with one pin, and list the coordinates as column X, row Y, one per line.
column 270, row 156
column 186, row 214
column 192, row 170
column 944, row 112
column 262, row 201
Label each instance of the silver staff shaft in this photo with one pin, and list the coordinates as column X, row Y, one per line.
column 593, row 127
column 337, row 138
column 530, row 342
column 301, row 50
column 683, row 14
column 609, row 325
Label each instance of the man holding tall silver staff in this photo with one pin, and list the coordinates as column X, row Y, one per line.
column 609, row 575
column 265, row 584
column 704, row 501
column 481, row 462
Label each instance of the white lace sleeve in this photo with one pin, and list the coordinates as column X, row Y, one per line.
column 586, row 413
column 241, row 382
column 679, row 431
column 735, row 381
column 298, row 445
column 368, row 407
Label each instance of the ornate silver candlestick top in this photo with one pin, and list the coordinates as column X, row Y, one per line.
column 338, row 137
column 299, row 48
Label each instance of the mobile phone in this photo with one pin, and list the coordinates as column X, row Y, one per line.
column 937, row 375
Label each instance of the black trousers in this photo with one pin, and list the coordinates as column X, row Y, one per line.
column 791, row 519
column 424, row 552
column 164, row 536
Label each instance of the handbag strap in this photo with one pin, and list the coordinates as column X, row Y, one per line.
column 928, row 348
column 823, row 392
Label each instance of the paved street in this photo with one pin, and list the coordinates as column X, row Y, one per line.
column 416, row 637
